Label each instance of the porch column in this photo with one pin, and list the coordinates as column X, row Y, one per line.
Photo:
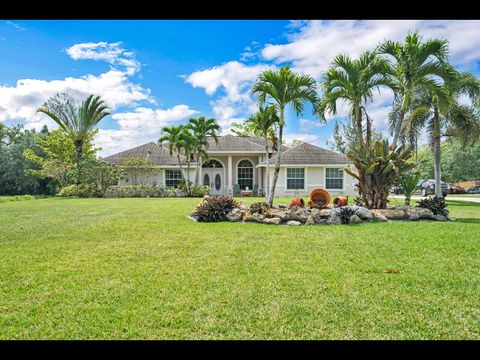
column 260, row 174
column 230, row 175
column 200, row 175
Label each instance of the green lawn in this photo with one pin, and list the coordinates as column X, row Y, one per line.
column 138, row 268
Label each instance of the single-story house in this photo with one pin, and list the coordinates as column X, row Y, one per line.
column 236, row 163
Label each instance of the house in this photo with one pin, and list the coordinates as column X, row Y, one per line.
column 236, row 163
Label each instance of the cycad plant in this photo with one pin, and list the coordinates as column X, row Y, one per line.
column 280, row 89
column 409, row 181
column 377, row 169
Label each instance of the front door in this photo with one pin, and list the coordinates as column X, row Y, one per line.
column 214, row 179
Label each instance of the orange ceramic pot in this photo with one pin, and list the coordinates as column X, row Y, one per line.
column 340, row 201
column 319, row 198
column 296, row 201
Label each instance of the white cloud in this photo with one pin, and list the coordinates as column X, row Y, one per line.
column 232, row 81
column 138, row 127
column 308, row 125
column 111, row 53
column 312, row 45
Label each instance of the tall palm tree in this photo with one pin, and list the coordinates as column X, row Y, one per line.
column 445, row 116
column 202, row 128
column 411, row 65
column 263, row 123
column 78, row 121
column 279, row 89
column 172, row 136
column 353, row 80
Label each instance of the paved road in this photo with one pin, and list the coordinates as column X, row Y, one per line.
column 449, row 197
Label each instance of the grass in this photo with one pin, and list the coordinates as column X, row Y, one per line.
column 139, row 269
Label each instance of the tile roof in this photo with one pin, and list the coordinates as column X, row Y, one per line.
column 307, row 154
column 158, row 153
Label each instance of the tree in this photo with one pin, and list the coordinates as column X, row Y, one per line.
column 172, row 136
column 140, row 169
column 280, row 89
column 191, row 144
column 77, row 121
column 58, row 157
column 202, row 128
column 443, row 114
column 353, row 81
column 262, row 124
column 409, row 66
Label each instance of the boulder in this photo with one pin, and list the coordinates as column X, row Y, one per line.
column 333, row 220
column 258, row 217
column 273, row 220
column 415, row 213
column 378, row 217
column 235, row 215
column 310, row 220
column 259, row 207
column 297, row 213
column 282, row 206
column 294, row 223
column 325, row 213
column 355, row 219
column 440, row 217
column 247, row 216
column 361, row 212
column 391, row 214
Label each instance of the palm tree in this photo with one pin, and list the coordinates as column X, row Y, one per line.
column 354, row 82
column 444, row 115
column 172, row 135
column 202, row 128
column 78, row 121
column 191, row 145
column 409, row 66
column 281, row 88
column 262, row 125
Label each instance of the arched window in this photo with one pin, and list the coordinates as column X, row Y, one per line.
column 245, row 174
column 212, row 164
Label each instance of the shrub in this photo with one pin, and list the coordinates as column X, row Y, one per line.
column 435, row 204
column 199, row 190
column 345, row 213
column 148, row 190
column 80, row 190
column 214, row 208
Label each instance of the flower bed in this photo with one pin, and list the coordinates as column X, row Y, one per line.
column 297, row 215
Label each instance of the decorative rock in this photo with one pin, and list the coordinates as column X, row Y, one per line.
column 355, row 219
column 440, row 217
column 259, row 207
column 361, row 212
column 235, row 215
column 333, row 220
column 273, row 220
column 297, row 214
column 258, row 217
column 247, row 216
column 378, row 217
column 391, row 214
column 310, row 220
column 294, row 223
column 282, row 206
column 325, row 213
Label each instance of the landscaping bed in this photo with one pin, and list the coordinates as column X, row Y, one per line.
column 221, row 208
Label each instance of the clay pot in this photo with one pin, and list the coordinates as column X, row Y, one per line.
column 319, row 198
column 296, row 201
column 340, row 201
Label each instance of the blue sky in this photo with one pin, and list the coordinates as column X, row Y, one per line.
column 156, row 73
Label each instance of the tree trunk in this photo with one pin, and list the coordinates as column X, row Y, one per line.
column 188, row 175
column 437, row 155
column 407, row 200
column 196, row 170
column 398, row 126
column 358, row 125
column 277, row 161
column 180, row 165
column 368, row 136
column 79, row 151
column 267, row 170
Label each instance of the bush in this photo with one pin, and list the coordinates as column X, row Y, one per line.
column 80, row 190
column 435, row 204
column 199, row 190
column 125, row 191
column 214, row 209
column 345, row 213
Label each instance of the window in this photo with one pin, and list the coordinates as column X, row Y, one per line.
column 295, row 178
column 173, row 177
column 212, row 164
column 245, row 174
column 334, row 178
